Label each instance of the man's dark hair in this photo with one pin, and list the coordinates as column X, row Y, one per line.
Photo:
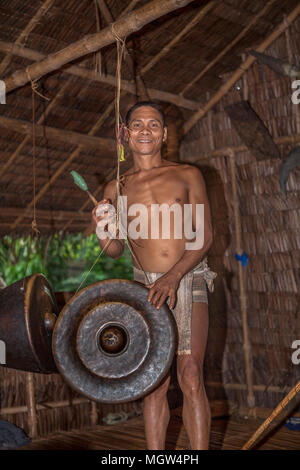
column 139, row 104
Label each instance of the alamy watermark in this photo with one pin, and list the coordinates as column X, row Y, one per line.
column 2, row 92
column 296, row 354
column 146, row 224
column 296, row 94
column 2, row 352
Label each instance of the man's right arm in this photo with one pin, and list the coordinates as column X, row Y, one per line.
column 113, row 247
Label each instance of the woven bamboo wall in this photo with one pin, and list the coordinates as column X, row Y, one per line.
column 58, row 406
column 270, row 238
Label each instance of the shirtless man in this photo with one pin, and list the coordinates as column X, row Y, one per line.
column 153, row 180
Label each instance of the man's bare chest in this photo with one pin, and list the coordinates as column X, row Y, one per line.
column 157, row 191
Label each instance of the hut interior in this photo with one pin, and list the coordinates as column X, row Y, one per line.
column 235, row 115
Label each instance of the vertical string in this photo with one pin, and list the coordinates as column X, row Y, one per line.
column 120, row 156
column 34, row 227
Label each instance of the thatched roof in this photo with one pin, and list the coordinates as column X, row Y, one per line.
column 168, row 61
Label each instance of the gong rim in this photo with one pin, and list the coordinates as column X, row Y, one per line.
column 153, row 369
column 39, row 337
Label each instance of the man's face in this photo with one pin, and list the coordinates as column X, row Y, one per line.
column 146, row 131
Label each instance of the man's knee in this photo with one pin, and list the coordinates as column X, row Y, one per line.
column 159, row 392
column 190, row 377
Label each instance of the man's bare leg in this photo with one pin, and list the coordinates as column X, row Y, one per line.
column 196, row 413
column 157, row 415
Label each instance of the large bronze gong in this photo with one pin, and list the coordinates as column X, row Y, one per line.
column 110, row 344
column 28, row 312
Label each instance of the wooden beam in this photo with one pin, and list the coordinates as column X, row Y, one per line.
column 229, row 46
column 26, row 31
column 45, row 214
column 60, row 135
column 240, row 71
column 92, row 43
column 79, row 71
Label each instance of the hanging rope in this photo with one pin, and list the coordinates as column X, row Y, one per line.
column 120, row 130
column 34, row 227
column 34, row 86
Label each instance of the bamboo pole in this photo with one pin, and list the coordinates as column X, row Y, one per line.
column 25, row 33
column 81, row 72
column 94, row 413
column 59, row 135
column 240, row 71
column 229, row 46
column 257, row 388
column 242, row 284
column 221, row 152
column 45, row 214
column 31, row 406
column 292, row 393
column 92, row 43
column 11, row 410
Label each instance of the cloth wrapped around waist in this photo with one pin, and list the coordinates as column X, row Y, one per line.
column 192, row 288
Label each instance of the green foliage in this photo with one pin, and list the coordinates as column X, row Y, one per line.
column 64, row 260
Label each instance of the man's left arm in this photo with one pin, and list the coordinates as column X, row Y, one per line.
column 167, row 285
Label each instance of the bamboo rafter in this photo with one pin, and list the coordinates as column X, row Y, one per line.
column 240, row 70
column 74, row 154
column 82, row 72
column 46, row 214
column 26, row 31
column 94, row 42
column 282, row 140
column 40, row 121
column 66, row 163
column 229, row 46
column 153, row 61
column 79, row 71
column 166, row 49
column 60, row 135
